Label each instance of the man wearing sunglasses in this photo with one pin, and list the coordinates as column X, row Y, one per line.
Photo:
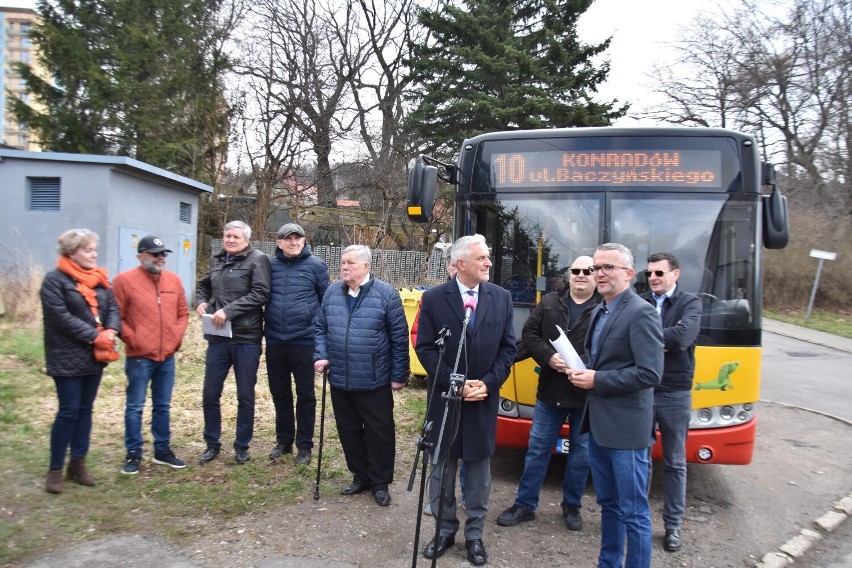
column 625, row 350
column 557, row 399
column 681, row 318
column 154, row 316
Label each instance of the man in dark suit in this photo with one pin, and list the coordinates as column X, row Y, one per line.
column 486, row 358
column 681, row 316
column 625, row 349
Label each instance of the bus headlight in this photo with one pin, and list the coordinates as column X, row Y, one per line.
column 705, row 454
column 507, row 405
column 722, row 416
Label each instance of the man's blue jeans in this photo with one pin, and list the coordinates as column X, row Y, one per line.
column 160, row 375
column 547, row 421
column 620, row 478
column 672, row 411
column 221, row 356
column 73, row 423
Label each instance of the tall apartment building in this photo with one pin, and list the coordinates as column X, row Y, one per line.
column 15, row 46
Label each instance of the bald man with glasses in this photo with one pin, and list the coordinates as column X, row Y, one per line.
column 556, row 398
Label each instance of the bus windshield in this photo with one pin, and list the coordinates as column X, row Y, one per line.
column 537, row 229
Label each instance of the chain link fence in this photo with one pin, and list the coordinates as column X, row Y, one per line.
column 400, row 268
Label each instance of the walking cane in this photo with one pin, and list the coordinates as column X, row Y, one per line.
column 322, row 431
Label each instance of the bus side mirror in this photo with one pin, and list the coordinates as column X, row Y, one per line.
column 776, row 231
column 422, row 186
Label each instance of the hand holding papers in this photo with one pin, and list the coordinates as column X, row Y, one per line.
column 567, row 351
column 210, row 328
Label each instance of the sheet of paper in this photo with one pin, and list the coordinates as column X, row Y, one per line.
column 566, row 351
column 210, row 329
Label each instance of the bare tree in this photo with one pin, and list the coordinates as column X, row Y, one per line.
column 320, row 48
column 701, row 89
column 785, row 77
column 274, row 145
column 335, row 74
column 378, row 83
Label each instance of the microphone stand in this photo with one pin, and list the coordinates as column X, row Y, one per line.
column 423, row 445
column 452, row 400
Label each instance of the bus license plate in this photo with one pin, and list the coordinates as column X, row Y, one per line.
column 562, row 446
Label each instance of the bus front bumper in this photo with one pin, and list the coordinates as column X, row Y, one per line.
column 732, row 445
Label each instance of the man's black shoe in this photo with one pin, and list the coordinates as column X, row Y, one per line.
column 242, row 456
column 514, row 515
column 572, row 518
column 354, row 487
column 303, row 457
column 672, row 541
column 383, row 498
column 279, row 450
column 476, row 554
column 444, row 543
column 209, row 454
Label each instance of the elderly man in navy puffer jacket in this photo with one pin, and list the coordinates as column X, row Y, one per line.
column 362, row 337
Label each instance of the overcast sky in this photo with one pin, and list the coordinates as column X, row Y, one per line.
column 18, row 4
column 642, row 33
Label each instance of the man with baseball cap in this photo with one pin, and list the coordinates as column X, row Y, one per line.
column 154, row 316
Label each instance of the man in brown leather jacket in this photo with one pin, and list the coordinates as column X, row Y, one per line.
column 234, row 291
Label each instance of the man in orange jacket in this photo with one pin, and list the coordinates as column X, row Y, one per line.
column 154, row 316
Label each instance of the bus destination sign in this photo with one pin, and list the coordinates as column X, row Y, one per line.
column 607, row 168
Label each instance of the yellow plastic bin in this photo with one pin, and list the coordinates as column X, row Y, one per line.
column 411, row 303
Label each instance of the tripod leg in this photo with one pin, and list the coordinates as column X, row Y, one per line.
column 423, row 476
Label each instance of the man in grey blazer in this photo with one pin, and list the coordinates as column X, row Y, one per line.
column 625, row 349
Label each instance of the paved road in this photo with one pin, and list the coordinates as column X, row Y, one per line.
column 810, row 369
column 833, row 551
column 804, row 368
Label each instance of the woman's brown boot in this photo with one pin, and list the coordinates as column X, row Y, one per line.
column 54, row 481
column 77, row 472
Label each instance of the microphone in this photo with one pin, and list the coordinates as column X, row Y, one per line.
column 469, row 306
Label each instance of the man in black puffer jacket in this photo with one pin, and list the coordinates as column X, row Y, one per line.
column 362, row 337
column 234, row 290
column 299, row 281
column 570, row 308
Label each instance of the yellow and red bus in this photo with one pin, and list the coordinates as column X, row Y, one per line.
column 544, row 197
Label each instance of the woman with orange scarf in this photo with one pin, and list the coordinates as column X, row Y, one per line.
column 80, row 313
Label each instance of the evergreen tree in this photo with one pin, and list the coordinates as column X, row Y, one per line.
column 501, row 65
column 70, row 111
column 141, row 79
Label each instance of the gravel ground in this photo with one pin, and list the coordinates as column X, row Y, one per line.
column 735, row 515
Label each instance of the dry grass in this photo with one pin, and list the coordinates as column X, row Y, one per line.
column 19, row 299
column 788, row 274
column 159, row 499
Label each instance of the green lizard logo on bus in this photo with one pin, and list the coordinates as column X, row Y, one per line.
column 722, row 381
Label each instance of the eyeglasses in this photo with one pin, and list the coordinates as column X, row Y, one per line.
column 162, row 253
column 607, row 268
column 577, row 271
column 657, row 273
